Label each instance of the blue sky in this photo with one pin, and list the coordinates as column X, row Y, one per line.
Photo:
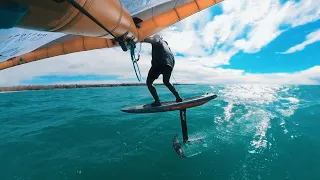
column 269, row 59
column 249, row 41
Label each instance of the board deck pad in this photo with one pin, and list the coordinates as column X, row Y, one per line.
column 171, row 105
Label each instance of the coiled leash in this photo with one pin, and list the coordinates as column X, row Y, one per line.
column 132, row 47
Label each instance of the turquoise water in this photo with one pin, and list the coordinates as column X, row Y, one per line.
column 251, row 132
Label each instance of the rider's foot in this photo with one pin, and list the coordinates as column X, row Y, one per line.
column 179, row 99
column 156, row 103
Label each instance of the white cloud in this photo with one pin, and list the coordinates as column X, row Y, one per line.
column 184, row 42
column 247, row 26
column 217, row 59
column 311, row 38
column 302, row 12
column 206, row 42
column 96, row 62
column 184, row 38
column 116, row 62
column 193, row 72
column 263, row 20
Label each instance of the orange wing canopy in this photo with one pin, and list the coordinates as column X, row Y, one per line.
column 83, row 34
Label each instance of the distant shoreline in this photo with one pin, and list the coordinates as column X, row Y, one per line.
column 69, row 86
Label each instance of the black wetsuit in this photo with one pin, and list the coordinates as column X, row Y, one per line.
column 162, row 63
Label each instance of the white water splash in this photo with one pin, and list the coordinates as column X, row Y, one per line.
column 289, row 106
column 256, row 98
column 227, row 111
column 293, row 100
column 261, row 104
column 259, row 142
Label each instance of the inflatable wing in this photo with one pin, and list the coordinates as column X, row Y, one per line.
column 34, row 30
